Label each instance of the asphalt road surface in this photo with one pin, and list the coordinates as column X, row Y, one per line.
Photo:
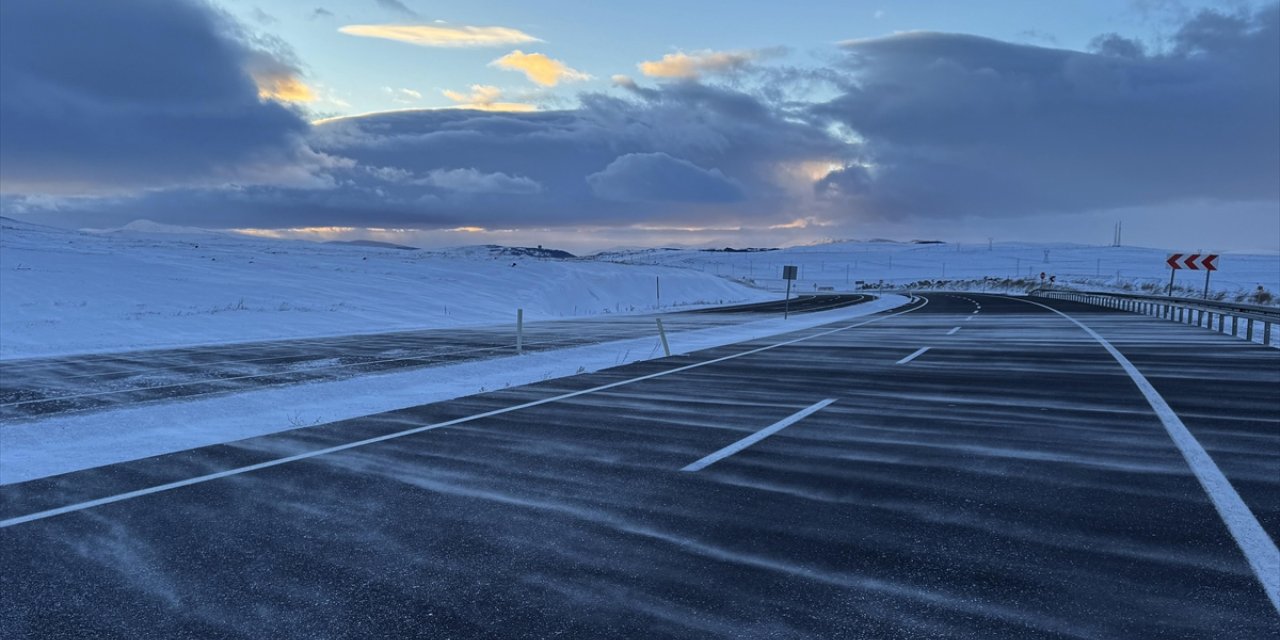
column 971, row 466
column 42, row 387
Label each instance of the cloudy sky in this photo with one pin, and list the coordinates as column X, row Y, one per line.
column 589, row 125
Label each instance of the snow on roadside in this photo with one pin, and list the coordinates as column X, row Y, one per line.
column 59, row 445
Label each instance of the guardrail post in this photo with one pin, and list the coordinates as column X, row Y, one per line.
column 1235, row 325
column 1248, row 329
column 1266, row 332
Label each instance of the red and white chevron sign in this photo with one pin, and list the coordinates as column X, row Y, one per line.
column 1193, row 261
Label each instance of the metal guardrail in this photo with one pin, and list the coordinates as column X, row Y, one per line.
column 1249, row 321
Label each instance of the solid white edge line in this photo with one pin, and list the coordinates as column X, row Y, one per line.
column 40, row 515
column 1259, row 549
column 954, row 330
column 919, row 352
column 708, row 460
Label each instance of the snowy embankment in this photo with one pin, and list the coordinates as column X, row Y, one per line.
column 851, row 265
column 64, row 292
column 64, row 444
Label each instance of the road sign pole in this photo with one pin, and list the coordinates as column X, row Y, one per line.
column 786, row 306
column 1172, row 272
column 519, row 331
column 1206, row 283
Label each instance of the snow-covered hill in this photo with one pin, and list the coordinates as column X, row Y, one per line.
column 843, row 265
column 142, row 286
column 149, row 285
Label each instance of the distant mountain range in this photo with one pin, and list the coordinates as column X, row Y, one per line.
column 373, row 243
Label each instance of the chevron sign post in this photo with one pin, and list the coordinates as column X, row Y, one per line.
column 1195, row 262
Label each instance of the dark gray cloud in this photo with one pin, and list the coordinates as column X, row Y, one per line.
column 263, row 17
column 658, row 177
column 683, row 151
column 395, row 6
column 126, row 94
column 959, row 125
column 926, row 126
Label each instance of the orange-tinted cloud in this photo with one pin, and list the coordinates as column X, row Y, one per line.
column 693, row 65
column 483, row 97
column 284, row 89
column 539, row 68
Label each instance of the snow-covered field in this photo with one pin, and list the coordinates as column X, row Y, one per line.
column 843, row 265
column 64, row 292
column 146, row 286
